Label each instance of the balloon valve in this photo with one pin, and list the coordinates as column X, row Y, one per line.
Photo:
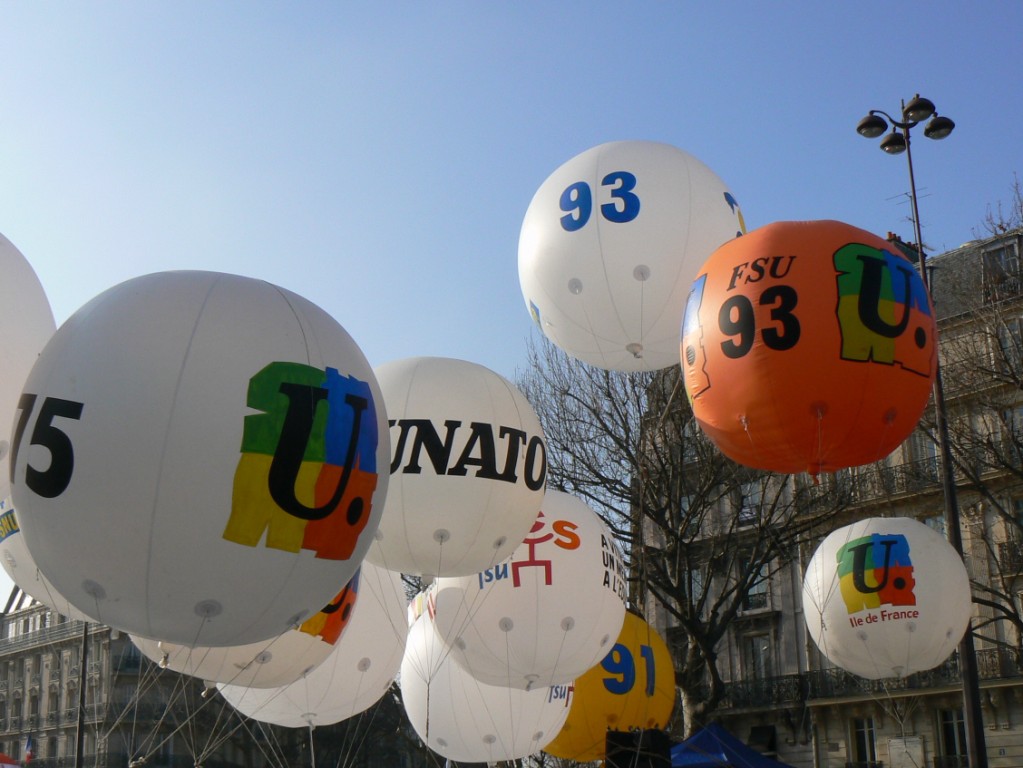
column 207, row 609
column 93, row 590
column 635, row 349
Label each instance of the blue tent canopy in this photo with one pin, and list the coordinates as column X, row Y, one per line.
column 714, row 747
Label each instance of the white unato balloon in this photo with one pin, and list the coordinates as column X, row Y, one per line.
column 26, row 324
column 886, row 597
column 548, row 613
column 202, row 460
column 610, row 245
column 269, row 663
column 358, row 671
column 468, row 469
column 463, row 719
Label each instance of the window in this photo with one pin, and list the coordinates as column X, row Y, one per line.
column 756, row 596
column 1012, row 431
column 862, row 751
column 951, row 733
column 1010, row 345
column 695, row 585
column 757, row 657
column 936, row 523
column 751, row 497
column 924, row 455
column 1001, row 271
column 691, row 435
column 1013, row 528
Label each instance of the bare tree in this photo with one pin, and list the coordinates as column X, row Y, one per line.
column 702, row 534
column 1004, row 217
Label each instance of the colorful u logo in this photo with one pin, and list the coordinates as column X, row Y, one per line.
column 307, row 471
column 876, row 570
column 884, row 315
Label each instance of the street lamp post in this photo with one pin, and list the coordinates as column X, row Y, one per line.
column 896, row 142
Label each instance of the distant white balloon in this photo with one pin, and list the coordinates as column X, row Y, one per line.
column 610, row 245
column 886, row 597
column 468, row 469
column 548, row 613
column 26, row 324
column 358, row 671
column 200, row 458
column 269, row 663
column 463, row 719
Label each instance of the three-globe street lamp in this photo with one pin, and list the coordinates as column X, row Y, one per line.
column 872, row 126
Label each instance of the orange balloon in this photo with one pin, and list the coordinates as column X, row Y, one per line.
column 633, row 687
column 808, row 346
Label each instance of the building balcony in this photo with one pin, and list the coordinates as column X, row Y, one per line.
column 71, row 630
column 825, row 684
column 1005, row 287
column 767, row 692
column 992, row 664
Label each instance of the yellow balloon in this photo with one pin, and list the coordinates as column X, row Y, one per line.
column 633, row 687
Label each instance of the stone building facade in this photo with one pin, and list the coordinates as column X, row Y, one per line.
column 783, row 696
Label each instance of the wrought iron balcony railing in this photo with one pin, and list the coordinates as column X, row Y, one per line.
column 766, row 692
column 992, row 664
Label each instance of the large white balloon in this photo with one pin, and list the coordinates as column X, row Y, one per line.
column 610, row 245
column 468, row 470
column 358, row 671
column 548, row 613
column 199, row 458
column 269, row 663
column 463, row 719
column 886, row 597
column 19, row 564
column 26, row 324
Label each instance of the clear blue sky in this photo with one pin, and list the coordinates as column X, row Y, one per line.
column 378, row 158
